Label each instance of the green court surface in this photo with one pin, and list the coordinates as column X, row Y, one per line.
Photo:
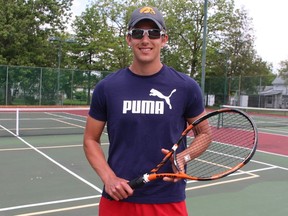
column 49, row 175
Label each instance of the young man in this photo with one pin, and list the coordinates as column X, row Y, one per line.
column 146, row 107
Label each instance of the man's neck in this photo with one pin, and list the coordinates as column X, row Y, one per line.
column 145, row 69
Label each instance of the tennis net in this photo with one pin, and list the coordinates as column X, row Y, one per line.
column 42, row 121
column 265, row 117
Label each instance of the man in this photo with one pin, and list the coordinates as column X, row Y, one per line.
column 146, row 107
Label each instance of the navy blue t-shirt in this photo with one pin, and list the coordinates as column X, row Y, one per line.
column 143, row 115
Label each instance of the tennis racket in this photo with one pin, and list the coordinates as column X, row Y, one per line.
column 227, row 144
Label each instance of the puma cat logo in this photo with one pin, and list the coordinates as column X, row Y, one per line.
column 154, row 92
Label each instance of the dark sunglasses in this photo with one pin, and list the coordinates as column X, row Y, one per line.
column 152, row 33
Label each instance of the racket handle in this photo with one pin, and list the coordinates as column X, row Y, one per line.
column 137, row 182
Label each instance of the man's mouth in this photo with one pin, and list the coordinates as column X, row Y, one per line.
column 145, row 50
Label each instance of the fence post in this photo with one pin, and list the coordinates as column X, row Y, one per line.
column 7, row 83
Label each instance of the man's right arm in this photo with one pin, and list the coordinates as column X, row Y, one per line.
column 116, row 187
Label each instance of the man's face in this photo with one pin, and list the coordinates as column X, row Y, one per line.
column 146, row 50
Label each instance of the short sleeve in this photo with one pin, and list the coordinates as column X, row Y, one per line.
column 195, row 105
column 98, row 108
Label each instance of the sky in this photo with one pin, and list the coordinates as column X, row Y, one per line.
column 269, row 23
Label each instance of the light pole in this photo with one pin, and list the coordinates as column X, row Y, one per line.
column 225, row 54
column 59, row 57
column 226, row 66
column 204, row 51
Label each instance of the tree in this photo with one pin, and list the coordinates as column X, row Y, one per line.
column 25, row 26
column 100, row 32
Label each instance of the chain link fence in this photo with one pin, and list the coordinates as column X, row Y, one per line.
column 248, row 91
column 46, row 86
column 54, row 86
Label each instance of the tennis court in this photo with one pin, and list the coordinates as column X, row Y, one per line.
column 44, row 170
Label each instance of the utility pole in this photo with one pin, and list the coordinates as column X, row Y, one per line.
column 204, row 51
column 59, row 57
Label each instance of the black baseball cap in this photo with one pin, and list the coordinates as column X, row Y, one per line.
column 151, row 13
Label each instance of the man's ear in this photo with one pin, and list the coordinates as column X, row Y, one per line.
column 164, row 40
column 128, row 40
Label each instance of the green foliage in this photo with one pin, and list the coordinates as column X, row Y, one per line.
column 101, row 32
column 100, row 43
column 25, row 26
column 80, row 96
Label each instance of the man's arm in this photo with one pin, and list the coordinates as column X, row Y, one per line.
column 203, row 132
column 116, row 187
column 200, row 143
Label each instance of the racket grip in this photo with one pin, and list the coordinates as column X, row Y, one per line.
column 137, row 182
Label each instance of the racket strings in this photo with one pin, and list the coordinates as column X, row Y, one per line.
column 233, row 138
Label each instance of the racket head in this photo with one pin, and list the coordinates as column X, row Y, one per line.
column 234, row 139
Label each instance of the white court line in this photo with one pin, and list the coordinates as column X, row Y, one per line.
column 68, row 123
column 59, row 210
column 47, row 147
column 239, row 172
column 253, row 171
column 268, row 164
column 54, row 161
column 66, row 117
column 96, row 204
column 222, row 182
column 270, row 131
column 271, row 153
column 48, row 203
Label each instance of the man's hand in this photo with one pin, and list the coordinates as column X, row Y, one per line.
column 175, row 170
column 118, row 188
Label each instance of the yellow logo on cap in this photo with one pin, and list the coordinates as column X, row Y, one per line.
column 147, row 10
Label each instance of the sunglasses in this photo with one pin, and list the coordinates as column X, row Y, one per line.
column 152, row 33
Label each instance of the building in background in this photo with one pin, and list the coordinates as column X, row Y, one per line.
column 276, row 96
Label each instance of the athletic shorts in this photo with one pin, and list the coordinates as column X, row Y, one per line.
column 115, row 208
